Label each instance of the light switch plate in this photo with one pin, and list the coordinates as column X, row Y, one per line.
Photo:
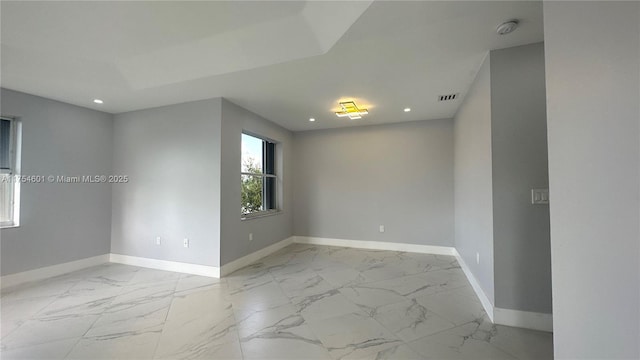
column 540, row 196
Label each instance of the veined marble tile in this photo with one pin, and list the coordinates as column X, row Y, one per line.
column 51, row 350
column 453, row 305
column 350, row 256
column 383, row 271
column 304, row 301
column 290, row 269
column 410, row 321
column 96, row 285
column 324, row 305
column 383, row 265
column 115, row 273
column 345, row 277
column 226, row 351
column 193, row 283
column 447, row 279
column 524, row 344
column 324, row 264
column 259, row 297
column 39, row 331
column 149, row 276
column 182, row 338
column 408, row 286
column 136, row 294
column 407, row 264
column 43, row 288
column 248, row 278
column 386, row 256
column 399, row 352
column 469, row 341
column 278, row 258
column 378, row 256
column 131, row 317
column 403, row 264
column 429, row 262
column 198, row 324
column 192, row 306
column 353, row 335
column 304, row 254
column 130, row 345
column 284, row 342
column 77, row 304
column 16, row 312
column 370, row 299
column 278, row 318
column 304, row 284
column 465, row 291
column 431, row 282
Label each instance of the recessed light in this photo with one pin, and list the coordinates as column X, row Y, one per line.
column 407, row 109
column 98, row 101
column 312, row 119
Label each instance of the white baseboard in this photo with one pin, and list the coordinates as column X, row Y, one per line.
column 523, row 319
column 234, row 265
column 194, row 269
column 377, row 245
column 508, row 317
column 484, row 299
column 51, row 271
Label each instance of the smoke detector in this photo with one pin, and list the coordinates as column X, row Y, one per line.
column 507, row 27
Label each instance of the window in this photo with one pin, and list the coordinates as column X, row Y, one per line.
column 9, row 166
column 258, row 176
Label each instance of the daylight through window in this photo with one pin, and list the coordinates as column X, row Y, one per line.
column 258, row 176
column 8, row 170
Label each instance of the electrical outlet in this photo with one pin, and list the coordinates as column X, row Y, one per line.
column 478, row 258
column 158, row 240
column 185, row 242
column 381, row 228
column 250, row 236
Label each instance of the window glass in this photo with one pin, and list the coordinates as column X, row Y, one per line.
column 5, row 143
column 258, row 179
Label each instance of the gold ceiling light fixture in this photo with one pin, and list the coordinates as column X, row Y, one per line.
column 350, row 109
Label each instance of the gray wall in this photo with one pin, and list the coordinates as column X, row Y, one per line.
column 522, row 257
column 59, row 222
column 350, row 181
column 172, row 157
column 473, row 180
column 592, row 52
column 234, row 233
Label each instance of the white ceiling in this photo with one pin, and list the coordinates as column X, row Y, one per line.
column 287, row 61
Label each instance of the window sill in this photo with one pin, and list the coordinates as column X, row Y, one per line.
column 260, row 214
column 2, row 227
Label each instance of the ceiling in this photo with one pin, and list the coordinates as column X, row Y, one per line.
column 286, row 61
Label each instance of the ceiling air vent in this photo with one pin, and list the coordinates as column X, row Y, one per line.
column 447, row 97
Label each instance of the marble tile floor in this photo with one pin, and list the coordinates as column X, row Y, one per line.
column 302, row 302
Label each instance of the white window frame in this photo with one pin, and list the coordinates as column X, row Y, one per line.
column 13, row 172
column 276, row 209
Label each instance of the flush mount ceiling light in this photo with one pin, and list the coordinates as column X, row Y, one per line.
column 507, row 27
column 350, row 109
column 312, row 119
column 407, row 109
column 98, row 101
